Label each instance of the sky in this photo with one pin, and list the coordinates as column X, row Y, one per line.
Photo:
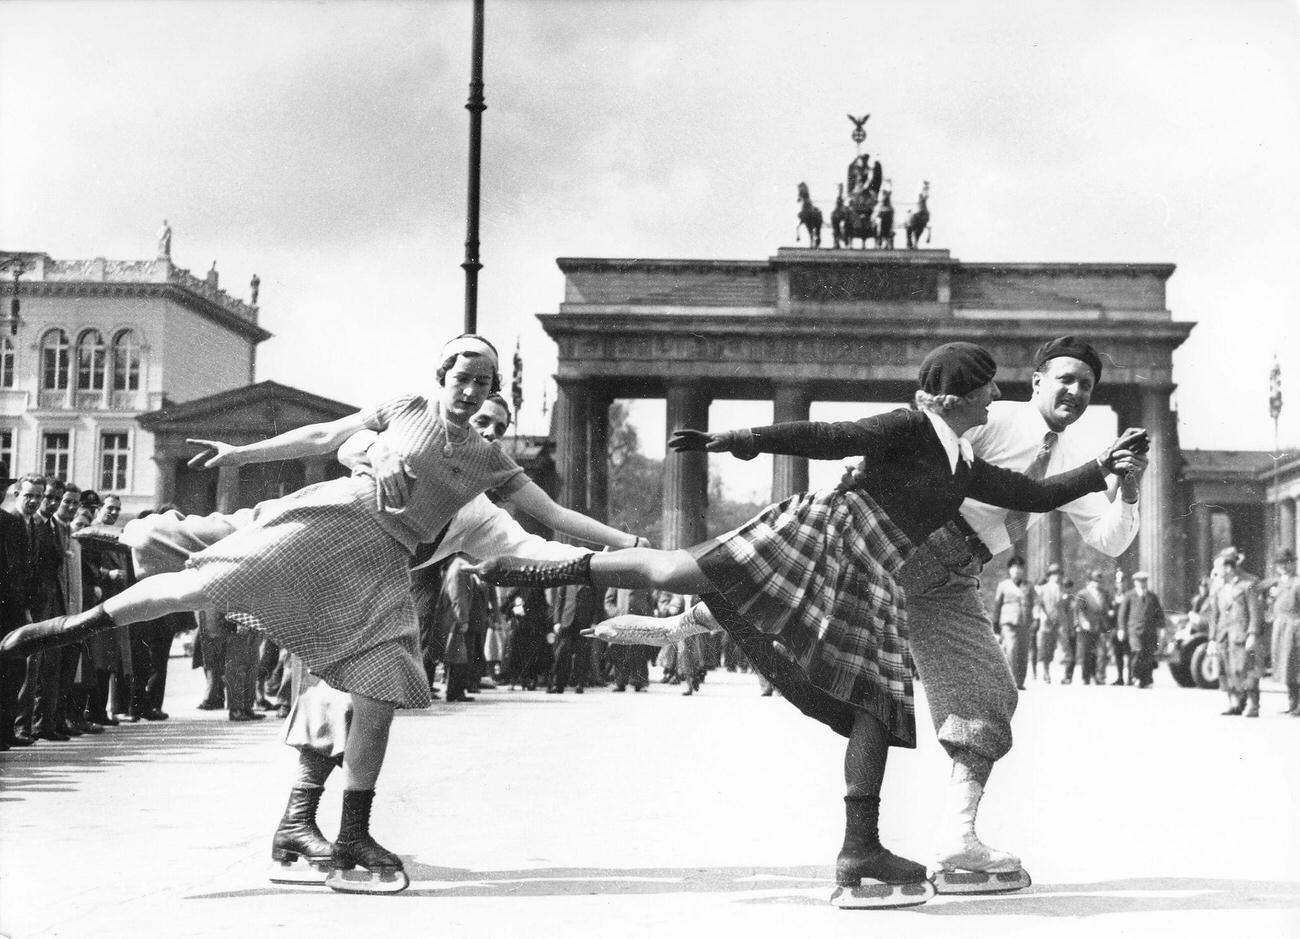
column 322, row 146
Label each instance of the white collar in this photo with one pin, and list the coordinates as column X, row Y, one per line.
column 956, row 447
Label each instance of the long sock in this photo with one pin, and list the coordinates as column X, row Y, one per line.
column 313, row 769
column 865, row 758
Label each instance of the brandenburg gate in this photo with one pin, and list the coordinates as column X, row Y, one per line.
column 849, row 325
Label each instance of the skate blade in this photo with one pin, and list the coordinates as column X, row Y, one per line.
column 875, row 895
column 950, row 882
column 300, row 871
column 364, row 881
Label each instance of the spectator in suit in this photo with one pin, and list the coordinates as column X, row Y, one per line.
column 462, row 612
column 529, row 655
column 77, row 672
column 1236, row 624
column 1139, row 622
column 13, row 613
column 630, row 662
column 1013, row 611
column 1121, row 649
column 574, row 610
column 1286, row 626
column 1092, row 618
column 39, row 696
column 1049, row 611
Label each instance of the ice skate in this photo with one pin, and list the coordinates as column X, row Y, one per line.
column 869, row 877
column 509, row 571
column 300, row 854
column 382, row 870
column 967, row 865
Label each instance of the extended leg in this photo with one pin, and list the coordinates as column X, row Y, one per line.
column 144, row 600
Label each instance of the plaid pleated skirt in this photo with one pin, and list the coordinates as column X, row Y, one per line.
column 317, row 574
column 816, row 572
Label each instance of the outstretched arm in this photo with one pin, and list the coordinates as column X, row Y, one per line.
column 533, row 500
column 818, row 440
column 311, row 440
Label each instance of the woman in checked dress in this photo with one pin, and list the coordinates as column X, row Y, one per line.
column 816, row 572
column 324, row 571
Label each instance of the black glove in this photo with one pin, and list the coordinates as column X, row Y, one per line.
column 1133, row 440
column 687, row 440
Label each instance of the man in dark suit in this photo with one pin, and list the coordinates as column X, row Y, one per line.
column 38, row 697
column 1140, row 620
column 574, row 610
column 13, row 613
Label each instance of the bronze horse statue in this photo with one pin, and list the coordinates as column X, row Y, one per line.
column 810, row 217
column 918, row 220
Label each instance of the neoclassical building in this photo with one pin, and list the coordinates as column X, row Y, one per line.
column 100, row 342
column 821, row 325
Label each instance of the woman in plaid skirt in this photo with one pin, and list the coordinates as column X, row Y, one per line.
column 816, row 573
column 324, row 571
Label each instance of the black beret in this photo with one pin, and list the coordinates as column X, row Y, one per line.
column 1072, row 347
column 956, row 368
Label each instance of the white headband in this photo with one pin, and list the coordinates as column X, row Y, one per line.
column 470, row 344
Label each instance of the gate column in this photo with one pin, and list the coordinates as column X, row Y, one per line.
column 571, row 441
column 790, row 402
column 686, row 475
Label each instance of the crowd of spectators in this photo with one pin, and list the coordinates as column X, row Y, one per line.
column 476, row 637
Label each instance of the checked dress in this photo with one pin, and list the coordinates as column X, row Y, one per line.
column 816, row 572
column 322, row 571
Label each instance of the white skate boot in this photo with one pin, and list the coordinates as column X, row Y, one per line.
column 965, row 864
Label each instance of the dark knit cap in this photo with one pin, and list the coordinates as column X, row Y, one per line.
column 956, row 368
column 1072, row 347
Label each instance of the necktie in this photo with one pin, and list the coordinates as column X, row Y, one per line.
column 1018, row 522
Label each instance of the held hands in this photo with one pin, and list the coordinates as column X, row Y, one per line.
column 686, row 440
column 1125, row 455
column 393, row 477
column 214, row 454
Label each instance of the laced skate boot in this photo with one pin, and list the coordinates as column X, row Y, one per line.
column 965, row 864
column 868, row 876
column 521, row 572
column 51, row 633
column 383, row 872
column 299, row 852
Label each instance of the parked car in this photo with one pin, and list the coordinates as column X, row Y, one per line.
column 1192, row 659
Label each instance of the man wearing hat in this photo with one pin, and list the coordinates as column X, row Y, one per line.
column 1139, row 622
column 1236, row 624
column 969, row 687
column 1050, row 609
column 1286, row 628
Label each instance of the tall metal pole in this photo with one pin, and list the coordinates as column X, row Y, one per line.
column 476, row 107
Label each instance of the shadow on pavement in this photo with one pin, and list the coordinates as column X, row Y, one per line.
column 1166, row 894
column 61, row 767
column 811, row 885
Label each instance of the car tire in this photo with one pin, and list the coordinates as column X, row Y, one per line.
column 1204, row 667
column 1180, row 670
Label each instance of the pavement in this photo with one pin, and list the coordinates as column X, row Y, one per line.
column 1138, row 813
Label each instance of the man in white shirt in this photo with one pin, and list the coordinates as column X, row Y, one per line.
column 969, row 687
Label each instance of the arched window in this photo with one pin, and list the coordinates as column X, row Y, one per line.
column 91, row 355
column 54, row 360
column 6, row 362
column 126, row 362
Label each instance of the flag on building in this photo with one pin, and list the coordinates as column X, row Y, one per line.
column 1275, row 389
column 517, row 383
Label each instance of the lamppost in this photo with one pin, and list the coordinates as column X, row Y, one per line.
column 476, row 107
